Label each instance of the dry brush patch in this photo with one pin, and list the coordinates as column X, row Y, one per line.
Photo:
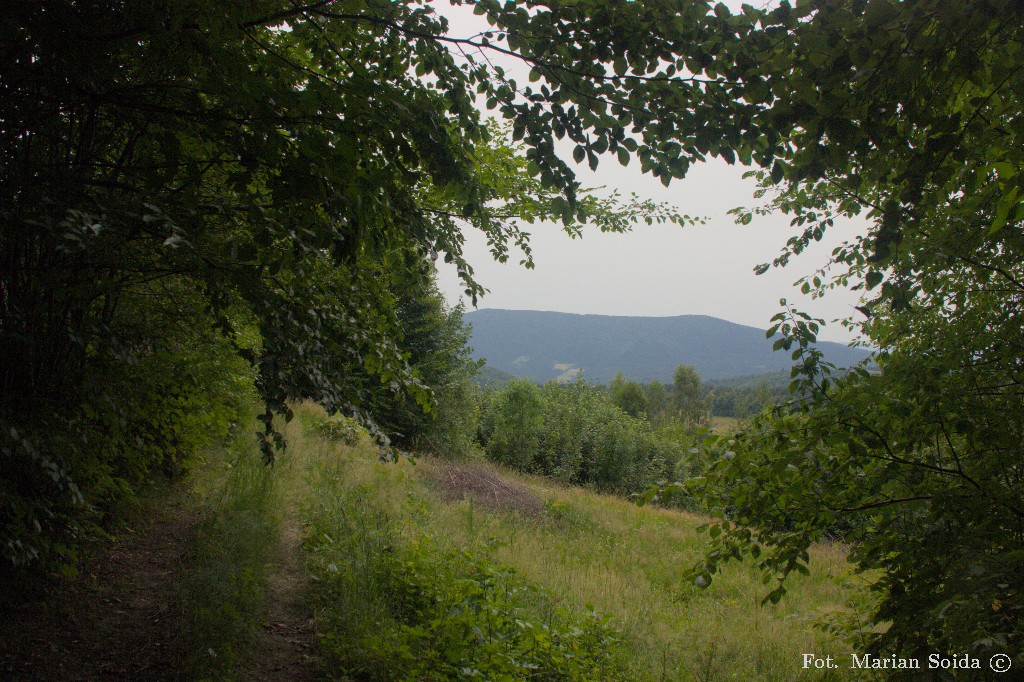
column 480, row 483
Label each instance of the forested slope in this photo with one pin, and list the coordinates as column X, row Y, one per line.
column 540, row 345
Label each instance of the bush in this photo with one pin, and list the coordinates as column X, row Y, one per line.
column 514, row 424
column 339, row 428
column 576, row 433
column 145, row 405
column 389, row 610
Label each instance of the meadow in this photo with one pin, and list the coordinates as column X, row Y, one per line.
column 588, row 553
column 335, row 565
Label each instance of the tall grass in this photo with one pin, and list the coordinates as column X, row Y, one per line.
column 627, row 561
column 222, row 591
column 586, row 552
column 394, row 605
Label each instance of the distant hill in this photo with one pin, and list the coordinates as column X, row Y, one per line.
column 547, row 345
column 489, row 376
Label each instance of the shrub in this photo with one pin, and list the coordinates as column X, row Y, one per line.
column 576, row 433
column 515, row 424
column 339, row 428
column 389, row 610
column 163, row 390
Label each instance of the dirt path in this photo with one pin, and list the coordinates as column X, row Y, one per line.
column 119, row 620
column 122, row 618
column 285, row 648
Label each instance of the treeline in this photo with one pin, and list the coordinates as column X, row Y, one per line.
column 739, row 398
column 623, row 438
column 746, row 396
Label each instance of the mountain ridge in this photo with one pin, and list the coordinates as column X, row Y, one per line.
column 529, row 343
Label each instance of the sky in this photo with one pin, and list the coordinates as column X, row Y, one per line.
column 659, row 270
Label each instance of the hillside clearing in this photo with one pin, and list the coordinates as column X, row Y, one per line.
column 233, row 579
column 603, row 552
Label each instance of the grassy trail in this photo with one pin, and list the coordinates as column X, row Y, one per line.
column 284, row 647
column 328, row 566
column 247, row 591
column 207, row 582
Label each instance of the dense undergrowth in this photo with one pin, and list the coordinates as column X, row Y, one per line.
column 147, row 405
column 576, row 434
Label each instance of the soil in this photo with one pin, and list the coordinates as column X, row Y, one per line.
column 118, row 620
column 475, row 481
column 121, row 618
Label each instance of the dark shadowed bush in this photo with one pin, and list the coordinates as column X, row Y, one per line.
column 167, row 385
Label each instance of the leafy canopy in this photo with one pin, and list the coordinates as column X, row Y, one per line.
column 908, row 114
column 272, row 155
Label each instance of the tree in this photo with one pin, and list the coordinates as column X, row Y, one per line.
column 629, row 396
column 657, row 402
column 266, row 158
column 688, row 399
column 918, row 466
column 435, row 343
column 516, row 424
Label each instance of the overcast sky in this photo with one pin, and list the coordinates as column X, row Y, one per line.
column 659, row 270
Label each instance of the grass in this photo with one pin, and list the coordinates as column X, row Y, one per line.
column 724, row 424
column 593, row 551
column 393, row 603
column 627, row 560
column 239, row 503
column 409, row 582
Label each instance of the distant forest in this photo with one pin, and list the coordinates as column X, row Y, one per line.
column 739, row 397
column 551, row 345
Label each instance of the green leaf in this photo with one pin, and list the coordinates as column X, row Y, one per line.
column 1007, row 203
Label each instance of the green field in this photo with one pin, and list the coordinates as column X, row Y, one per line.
column 724, row 424
column 586, row 550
